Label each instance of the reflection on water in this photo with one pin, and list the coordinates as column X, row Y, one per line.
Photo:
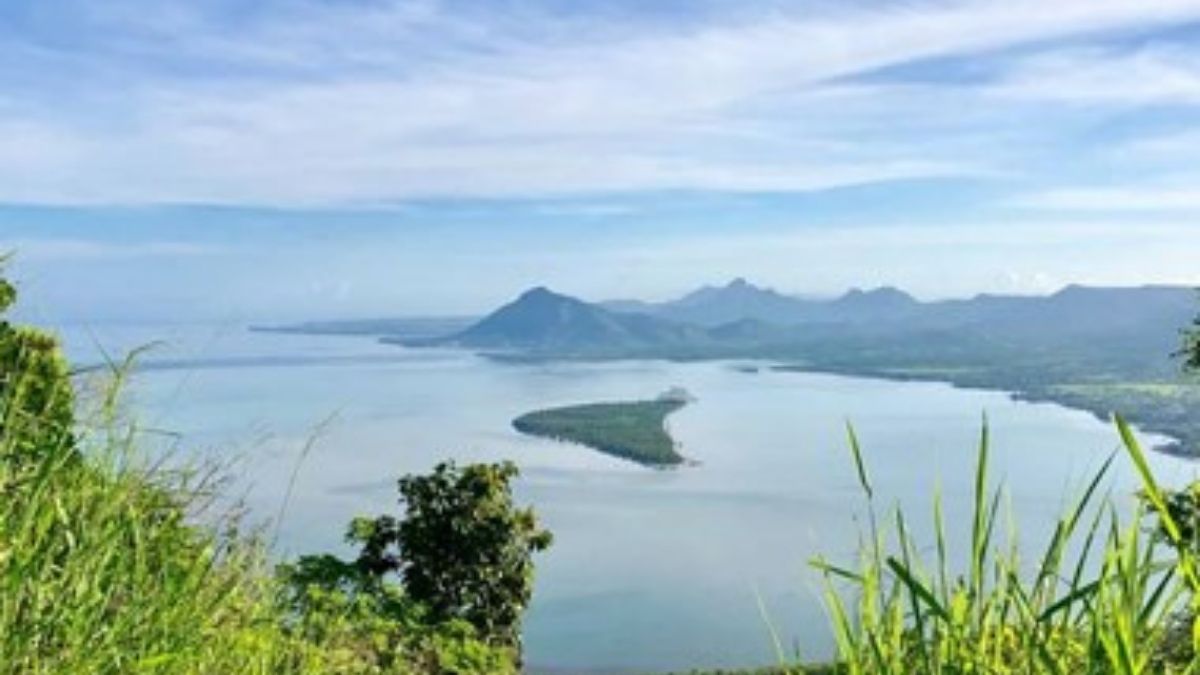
column 650, row 569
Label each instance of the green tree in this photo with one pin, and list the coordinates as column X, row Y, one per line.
column 1191, row 347
column 465, row 548
column 456, row 568
column 36, row 398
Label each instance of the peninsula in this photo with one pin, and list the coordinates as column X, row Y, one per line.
column 632, row 430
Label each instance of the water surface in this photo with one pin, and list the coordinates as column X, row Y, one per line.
column 650, row 569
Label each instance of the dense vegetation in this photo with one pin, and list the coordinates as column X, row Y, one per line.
column 1191, row 347
column 463, row 553
column 110, row 563
column 632, row 430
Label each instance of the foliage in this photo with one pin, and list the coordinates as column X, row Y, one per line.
column 1105, row 595
column 463, row 550
column 368, row 627
column 105, row 566
column 36, row 399
column 633, row 431
column 467, row 550
column 99, row 569
column 1190, row 352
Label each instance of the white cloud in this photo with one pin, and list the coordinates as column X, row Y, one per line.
column 1086, row 76
column 343, row 103
column 1159, row 147
column 1155, row 198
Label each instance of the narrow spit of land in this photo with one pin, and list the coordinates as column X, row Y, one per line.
column 632, row 430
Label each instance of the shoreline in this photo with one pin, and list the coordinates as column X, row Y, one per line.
column 1175, row 445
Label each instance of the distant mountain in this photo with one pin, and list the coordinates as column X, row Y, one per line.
column 1097, row 349
column 884, row 303
column 713, row 306
column 541, row 320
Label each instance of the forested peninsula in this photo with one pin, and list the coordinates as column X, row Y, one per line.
column 632, row 430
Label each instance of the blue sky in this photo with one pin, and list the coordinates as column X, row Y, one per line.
column 290, row 158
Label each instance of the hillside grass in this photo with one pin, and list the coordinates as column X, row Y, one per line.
column 113, row 563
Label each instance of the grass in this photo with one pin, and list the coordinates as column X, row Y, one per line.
column 111, row 563
column 101, row 570
column 635, row 431
column 1105, row 594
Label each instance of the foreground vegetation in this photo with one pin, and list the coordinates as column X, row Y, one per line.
column 634, row 430
column 1109, row 592
column 112, row 564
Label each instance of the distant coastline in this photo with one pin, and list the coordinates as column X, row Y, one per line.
column 1146, row 410
column 1096, row 349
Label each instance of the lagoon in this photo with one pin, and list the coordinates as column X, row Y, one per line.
column 651, row 570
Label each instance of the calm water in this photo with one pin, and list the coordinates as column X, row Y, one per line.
column 650, row 569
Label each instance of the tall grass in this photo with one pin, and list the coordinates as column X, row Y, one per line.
column 1113, row 590
column 101, row 570
column 111, row 563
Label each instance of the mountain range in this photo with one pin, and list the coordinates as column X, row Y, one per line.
column 1093, row 348
column 1113, row 325
column 740, row 299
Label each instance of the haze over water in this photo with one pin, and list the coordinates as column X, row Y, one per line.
column 650, row 569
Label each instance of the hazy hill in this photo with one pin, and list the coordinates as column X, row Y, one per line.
column 712, row 306
column 1132, row 329
column 1079, row 330
column 544, row 321
column 1098, row 349
column 739, row 299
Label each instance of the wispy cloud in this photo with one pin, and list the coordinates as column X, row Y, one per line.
column 1087, row 76
column 1171, row 198
column 314, row 103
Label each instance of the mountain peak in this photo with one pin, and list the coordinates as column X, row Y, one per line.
column 881, row 293
column 542, row 319
column 540, row 296
column 538, row 292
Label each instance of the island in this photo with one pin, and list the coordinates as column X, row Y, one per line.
column 632, row 430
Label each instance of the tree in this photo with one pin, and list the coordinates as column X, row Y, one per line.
column 1191, row 347
column 36, row 398
column 463, row 553
column 466, row 549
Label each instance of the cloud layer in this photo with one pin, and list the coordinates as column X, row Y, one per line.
column 303, row 103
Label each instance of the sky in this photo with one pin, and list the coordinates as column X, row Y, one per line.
column 289, row 159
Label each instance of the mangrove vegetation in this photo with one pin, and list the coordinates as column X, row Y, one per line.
column 633, row 430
